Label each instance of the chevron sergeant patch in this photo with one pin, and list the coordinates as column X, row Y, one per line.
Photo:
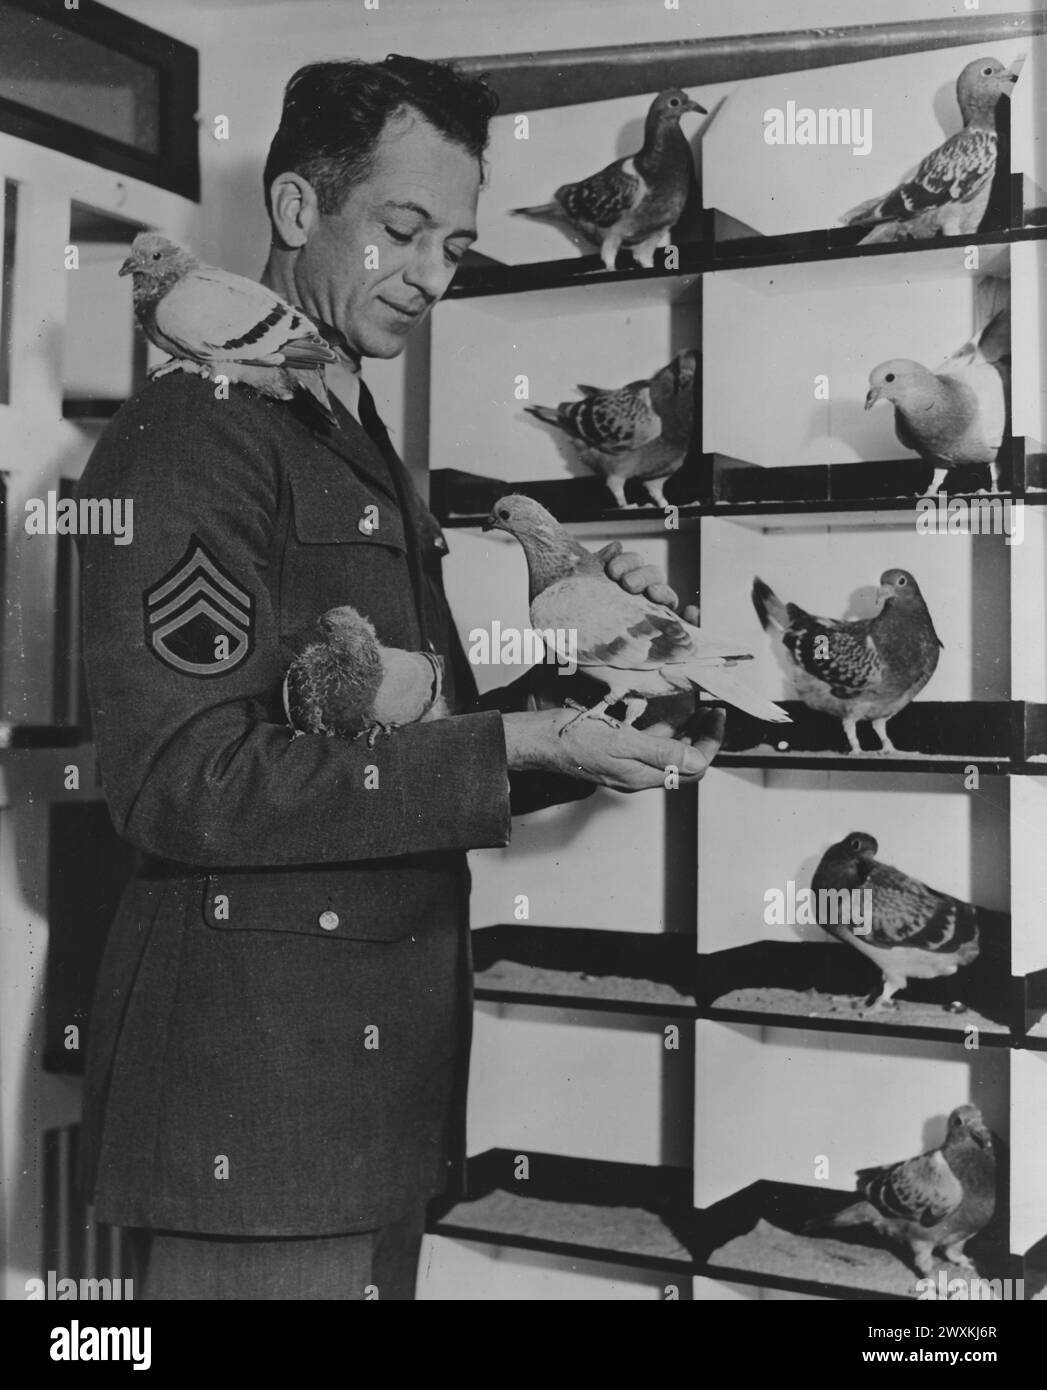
column 198, row 619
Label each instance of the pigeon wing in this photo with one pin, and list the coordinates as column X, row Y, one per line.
column 908, row 913
column 953, row 173
column 212, row 316
column 603, row 198
column 924, row 1189
column 842, row 656
column 622, row 630
column 617, row 420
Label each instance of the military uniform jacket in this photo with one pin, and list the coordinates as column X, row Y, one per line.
column 280, row 1030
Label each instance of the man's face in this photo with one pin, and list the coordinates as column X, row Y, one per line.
column 415, row 214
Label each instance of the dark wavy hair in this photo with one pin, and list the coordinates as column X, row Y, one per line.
column 334, row 114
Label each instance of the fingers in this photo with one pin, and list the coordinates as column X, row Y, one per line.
column 691, row 615
column 636, row 576
column 609, row 551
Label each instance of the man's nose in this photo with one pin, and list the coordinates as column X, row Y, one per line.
column 429, row 272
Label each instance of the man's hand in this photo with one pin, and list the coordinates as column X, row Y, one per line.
column 635, row 575
column 625, row 759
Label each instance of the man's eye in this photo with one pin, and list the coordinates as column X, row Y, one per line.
column 401, row 238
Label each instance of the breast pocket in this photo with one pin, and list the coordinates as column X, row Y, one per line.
column 346, row 546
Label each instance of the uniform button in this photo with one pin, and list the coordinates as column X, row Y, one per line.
column 329, row 920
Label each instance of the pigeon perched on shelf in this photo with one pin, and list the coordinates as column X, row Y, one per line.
column 638, row 649
column 347, row 683
column 636, row 201
column 866, row 669
column 915, row 933
column 936, row 1201
column 640, row 431
column 957, row 414
column 949, row 192
column 215, row 323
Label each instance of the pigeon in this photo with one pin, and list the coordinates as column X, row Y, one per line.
column 957, row 414
column 866, row 669
column 638, row 649
column 938, row 1200
column 636, row 201
column 949, row 192
column 915, row 933
column 346, row 683
column 641, row 431
column 214, row 323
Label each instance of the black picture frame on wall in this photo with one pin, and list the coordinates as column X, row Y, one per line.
column 175, row 164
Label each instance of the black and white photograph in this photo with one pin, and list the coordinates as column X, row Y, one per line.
column 523, row 747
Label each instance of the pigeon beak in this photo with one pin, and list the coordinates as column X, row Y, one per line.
column 884, row 592
column 491, row 523
column 1007, row 79
column 129, row 266
column 691, row 105
column 872, row 398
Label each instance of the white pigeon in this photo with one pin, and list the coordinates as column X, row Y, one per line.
column 214, row 323
column 958, row 414
column 949, row 192
column 636, row 648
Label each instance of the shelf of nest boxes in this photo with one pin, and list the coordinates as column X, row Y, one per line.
column 819, row 1109
column 586, row 968
column 632, row 1215
column 791, row 157
column 1028, row 1205
column 946, row 599
column 789, row 944
column 528, row 423
column 1028, row 831
column 877, row 349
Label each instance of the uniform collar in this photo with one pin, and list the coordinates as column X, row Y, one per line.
column 349, row 440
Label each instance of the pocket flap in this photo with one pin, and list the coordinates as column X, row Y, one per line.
column 343, row 905
column 334, row 511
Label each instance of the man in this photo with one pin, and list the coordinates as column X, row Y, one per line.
column 280, row 1036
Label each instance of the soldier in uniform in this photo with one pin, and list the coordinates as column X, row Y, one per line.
column 279, row 1040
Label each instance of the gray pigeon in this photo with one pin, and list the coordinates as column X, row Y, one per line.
column 867, row 669
column 346, row 683
column 938, row 1200
column 915, row 933
column 212, row 323
column 640, row 431
column 949, row 192
column 957, row 414
column 636, row 648
column 636, row 201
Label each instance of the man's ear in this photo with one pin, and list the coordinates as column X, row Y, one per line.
column 293, row 209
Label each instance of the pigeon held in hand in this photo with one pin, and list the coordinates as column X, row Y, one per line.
column 346, row 683
column 636, row 648
column 949, row 192
column 870, row 668
column 214, row 323
column 912, row 932
column 936, row 1201
column 641, row 430
column 958, row 414
column 634, row 202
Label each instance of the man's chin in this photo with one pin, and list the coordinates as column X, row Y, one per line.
column 383, row 344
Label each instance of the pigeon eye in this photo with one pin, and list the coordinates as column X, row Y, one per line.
column 156, row 255
column 889, row 376
column 986, row 72
column 503, row 515
column 856, row 844
column 902, row 581
column 674, row 102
